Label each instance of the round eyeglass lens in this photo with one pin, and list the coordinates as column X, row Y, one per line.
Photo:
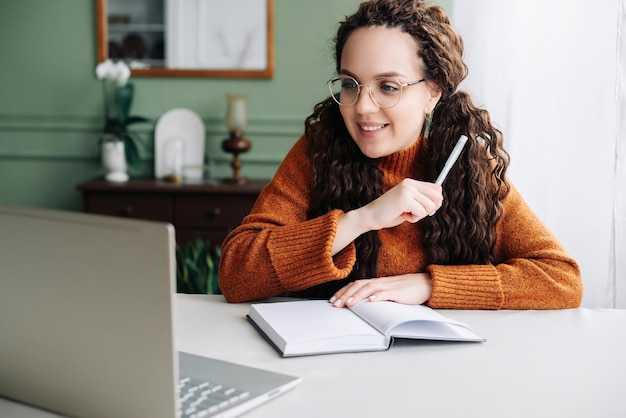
column 344, row 89
column 384, row 92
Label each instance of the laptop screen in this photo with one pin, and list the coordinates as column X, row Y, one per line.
column 86, row 313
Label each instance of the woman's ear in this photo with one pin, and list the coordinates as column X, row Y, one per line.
column 435, row 95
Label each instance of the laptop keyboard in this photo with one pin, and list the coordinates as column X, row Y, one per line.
column 199, row 398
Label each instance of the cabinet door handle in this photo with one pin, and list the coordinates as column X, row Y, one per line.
column 214, row 213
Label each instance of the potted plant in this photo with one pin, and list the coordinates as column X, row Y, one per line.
column 197, row 267
column 118, row 97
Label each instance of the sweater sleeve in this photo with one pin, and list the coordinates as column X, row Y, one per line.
column 532, row 269
column 277, row 249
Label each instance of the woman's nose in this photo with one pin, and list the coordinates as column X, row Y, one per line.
column 365, row 103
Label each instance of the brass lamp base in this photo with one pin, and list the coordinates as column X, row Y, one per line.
column 236, row 145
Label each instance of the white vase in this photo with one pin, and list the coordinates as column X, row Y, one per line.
column 114, row 161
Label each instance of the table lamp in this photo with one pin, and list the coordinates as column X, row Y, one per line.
column 236, row 122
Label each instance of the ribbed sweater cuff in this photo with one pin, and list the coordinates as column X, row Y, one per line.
column 465, row 287
column 301, row 254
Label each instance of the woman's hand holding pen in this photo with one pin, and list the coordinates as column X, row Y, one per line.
column 409, row 201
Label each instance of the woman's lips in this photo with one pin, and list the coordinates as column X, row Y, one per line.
column 369, row 129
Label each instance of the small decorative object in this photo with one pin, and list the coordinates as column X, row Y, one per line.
column 174, row 152
column 113, row 159
column 236, row 144
column 179, row 144
column 118, row 98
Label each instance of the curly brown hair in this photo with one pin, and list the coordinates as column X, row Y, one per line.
column 463, row 230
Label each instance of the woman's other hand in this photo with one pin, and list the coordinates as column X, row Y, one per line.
column 411, row 289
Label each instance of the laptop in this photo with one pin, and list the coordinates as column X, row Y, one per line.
column 86, row 322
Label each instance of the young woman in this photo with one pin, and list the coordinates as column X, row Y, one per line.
column 352, row 212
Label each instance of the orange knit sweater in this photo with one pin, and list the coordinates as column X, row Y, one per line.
column 277, row 250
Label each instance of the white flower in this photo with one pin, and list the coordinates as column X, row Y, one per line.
column 122, row 74
column 107, row 70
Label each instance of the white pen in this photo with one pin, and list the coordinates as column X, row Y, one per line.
column 454, row 155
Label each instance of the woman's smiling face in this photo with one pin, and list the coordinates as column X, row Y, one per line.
column 378, row 51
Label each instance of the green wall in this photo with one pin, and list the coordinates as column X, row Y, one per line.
column 51, row 101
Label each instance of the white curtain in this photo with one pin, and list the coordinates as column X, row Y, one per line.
column 547, row 71
column 617, row 287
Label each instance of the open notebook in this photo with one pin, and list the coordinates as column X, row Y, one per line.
column 86, row 314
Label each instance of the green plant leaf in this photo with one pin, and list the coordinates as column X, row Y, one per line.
column 195, row 284
column 197, row 265
column 125, row 101
column 217, row 253
column 135, row 119
column 209, row 273
column 131, row 151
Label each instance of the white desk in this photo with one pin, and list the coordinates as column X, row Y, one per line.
column 552, row 364
column 569, row 363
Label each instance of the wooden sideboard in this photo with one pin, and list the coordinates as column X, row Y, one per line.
column 212, row 210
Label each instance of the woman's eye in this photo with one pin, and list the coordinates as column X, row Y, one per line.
column 347, row 85
column 389, row 87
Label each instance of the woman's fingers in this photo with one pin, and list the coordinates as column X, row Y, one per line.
column 410, row 201
column 349, row 293
column 407, row 288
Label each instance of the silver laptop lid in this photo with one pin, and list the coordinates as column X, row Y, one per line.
column 85, row 313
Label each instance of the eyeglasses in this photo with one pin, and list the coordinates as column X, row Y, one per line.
column 384, row 91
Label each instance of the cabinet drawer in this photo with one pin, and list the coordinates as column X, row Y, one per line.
column 213, row 236
column 155, row 207
column 218, row 211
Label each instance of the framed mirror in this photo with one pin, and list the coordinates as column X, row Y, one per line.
column 188, row 38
